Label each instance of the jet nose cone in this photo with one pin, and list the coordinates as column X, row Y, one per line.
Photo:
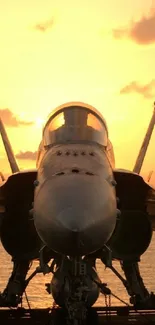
column 77, row 232
column 75, row 216
column 75, row 220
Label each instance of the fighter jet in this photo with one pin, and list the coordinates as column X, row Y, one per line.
column 73, row 209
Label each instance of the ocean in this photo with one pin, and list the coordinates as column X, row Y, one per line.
column 39, row 298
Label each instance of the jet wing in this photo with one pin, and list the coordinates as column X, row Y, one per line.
column 2, row 205
column 17, row 231
column 17, row 186
column 17, row 189
column 150, row 204
column 134, row 193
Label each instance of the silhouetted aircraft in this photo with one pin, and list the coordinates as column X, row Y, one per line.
column 73, row 209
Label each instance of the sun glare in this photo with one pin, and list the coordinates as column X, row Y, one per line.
column 39, row 122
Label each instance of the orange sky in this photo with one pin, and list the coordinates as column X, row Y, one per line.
column 57, row 51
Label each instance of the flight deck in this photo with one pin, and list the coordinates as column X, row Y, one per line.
column 118, row 315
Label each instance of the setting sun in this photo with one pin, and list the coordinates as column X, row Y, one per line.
column 39, row 122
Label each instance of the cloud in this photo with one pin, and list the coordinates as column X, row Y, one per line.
column 141, row 31
column 119, row 33
column 147, row 90
column 10, row 119
column 44, row 26
column 27, row 155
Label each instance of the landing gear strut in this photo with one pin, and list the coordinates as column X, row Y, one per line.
column 133, row 282
column 140, row 297
column 12, row 294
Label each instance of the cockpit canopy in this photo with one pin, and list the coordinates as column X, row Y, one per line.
column 75, row 122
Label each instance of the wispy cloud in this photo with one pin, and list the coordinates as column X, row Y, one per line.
column 141, row 31
column 44, row 26
column 10, row 119
column 30, row 155
column 146, row 90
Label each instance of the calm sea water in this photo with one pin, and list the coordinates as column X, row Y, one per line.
column 39, row 298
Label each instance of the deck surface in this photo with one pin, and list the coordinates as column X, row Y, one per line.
column 114, row 315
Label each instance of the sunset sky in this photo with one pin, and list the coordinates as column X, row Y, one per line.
column 99, row 52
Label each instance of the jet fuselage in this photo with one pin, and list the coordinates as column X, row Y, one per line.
column 75, row 200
